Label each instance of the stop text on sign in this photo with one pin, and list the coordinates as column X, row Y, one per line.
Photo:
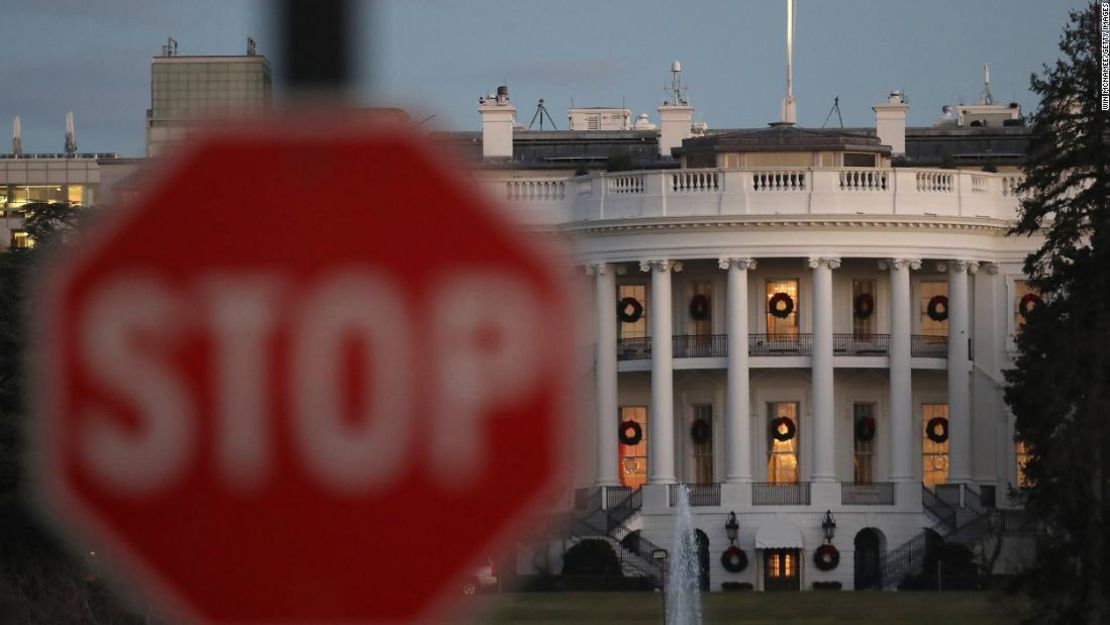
column 350, row 438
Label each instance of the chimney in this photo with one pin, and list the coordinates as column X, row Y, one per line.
column 498, row 118
column 17, row 137
column 71, row 136
column 675, row 115
column 890, row 122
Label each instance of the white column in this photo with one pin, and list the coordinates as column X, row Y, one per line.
column 902, row 449
column 661, row 415
column 738, row 449
column 959, row 383
column 606, row 370
column 823, row 409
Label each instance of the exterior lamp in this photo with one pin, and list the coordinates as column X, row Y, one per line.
column 828, row 526
column 732, row 528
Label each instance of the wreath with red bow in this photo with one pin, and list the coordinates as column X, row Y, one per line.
column 780, row 305
column 826, row 557
column 734, row 559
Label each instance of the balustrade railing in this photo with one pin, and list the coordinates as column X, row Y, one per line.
column 928, row 346
column 873, row 494
column 779, row 180
column 864, row 180
column 699, row 345
column 535, row 190
column 638, row 348
column 934, row 182
column 780, row 344
column 861, row 344
column 693, row 180
column 626, row 183
column 767, row 494
column 700, row 494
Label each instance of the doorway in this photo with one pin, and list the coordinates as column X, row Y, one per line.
column 780, row 569
column 703, row 560
column 869, row 564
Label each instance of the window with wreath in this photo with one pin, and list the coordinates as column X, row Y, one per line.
column 933, row 311
column 863, row 309
column 634, row 324
column 1021, row 457
column 863, row 457
column 1025, row 299
column 701, row 438
column 782, row 308
column 632, row 446
column 782, row 442
column 934, row 444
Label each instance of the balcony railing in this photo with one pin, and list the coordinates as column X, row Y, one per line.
column 780, row 344
column 700, row 494
column 861, row 344
column 926, row 346
column 766, row 494
column 873, row 494
column 716, row 345
column 700, row 345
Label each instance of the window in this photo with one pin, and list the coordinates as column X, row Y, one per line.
column 21, row 240
column 701, row 291
column 1021, row 457
column 863, row 295
column 1021, row 289
column 638, row 328
column 703, row 451
column 934, row 456
column 785, row 296
column 782, row 456
column 633, row 458
column 863, row 460
column 929, row 290
column 858, row 160
column 781, row 569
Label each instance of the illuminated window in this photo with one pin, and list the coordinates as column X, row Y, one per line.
column 75, row 193
column 701, row 291
column 638, row 328
column 782, row 322
column 782, row 456
column 863, row 295
column 781, row 569
column 863, row 459
column 934, row 456
column 22, row 240
column 633, row 458
column 1021, row 455
column 703, row 451
column 1021, row 290
column 929, row 290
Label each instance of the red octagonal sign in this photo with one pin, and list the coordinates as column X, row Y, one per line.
column 308, row 378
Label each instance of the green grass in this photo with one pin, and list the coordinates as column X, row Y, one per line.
column 748, row 608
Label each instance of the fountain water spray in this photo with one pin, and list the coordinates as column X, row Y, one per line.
column 683, row 589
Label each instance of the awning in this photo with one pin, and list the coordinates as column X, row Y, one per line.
column 778, row 534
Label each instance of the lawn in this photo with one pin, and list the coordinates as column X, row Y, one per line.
column 748, row 608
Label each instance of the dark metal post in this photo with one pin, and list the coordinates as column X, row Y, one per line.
column 316, row 38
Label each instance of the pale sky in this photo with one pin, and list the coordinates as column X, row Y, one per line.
column 438, row 56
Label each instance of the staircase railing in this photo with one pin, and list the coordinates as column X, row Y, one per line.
column 635, row 554
column 617, row 514
column 907, row 557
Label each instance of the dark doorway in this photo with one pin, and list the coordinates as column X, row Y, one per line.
column 780, row 569
column 869, row 564
column 703, row 560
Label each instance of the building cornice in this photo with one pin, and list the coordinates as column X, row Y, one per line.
column 993, row 227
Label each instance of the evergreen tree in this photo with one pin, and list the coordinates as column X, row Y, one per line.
column 1059, row 390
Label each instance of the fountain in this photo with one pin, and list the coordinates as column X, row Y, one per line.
column 683, row 590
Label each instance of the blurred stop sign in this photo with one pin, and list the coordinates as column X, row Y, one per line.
column 308, row 378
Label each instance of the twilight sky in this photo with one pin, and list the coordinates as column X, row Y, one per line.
column 438, row 56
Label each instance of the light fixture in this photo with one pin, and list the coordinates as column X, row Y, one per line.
column 828, row 526
column 659, row 554
column 732, row 528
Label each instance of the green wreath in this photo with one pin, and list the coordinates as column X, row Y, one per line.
column 699, row 307
column 629, row 310
column 734, row 559
column 1027, row 303
column 783, row 429
column 938, row 308
column 864, row 306
column 780, row 305
column 631, row 433
column 865, row 429
column 826, row 557
column 700, row 432
column 937, row 429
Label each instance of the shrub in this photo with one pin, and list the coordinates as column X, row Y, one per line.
column 591, row 557
column 735, row 586
column 827, row 585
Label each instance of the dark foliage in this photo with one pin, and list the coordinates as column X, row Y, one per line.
column 591, row 557
column 827, row 585
column 955, row 564
column 736, row 586
column 1058, row 391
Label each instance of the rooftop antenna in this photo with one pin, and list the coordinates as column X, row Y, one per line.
column 789, row 105
column 835, row 108
column 17, row 137
column 676, row 90
column 987, row 97
column 250, row 46
column 71, row 136
column 541, row 112
column 170, row 47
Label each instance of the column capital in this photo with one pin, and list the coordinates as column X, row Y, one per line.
column 900, row 263
column 991, row 268
column 963, row 266
column 660, row 264
column 726, row 262
column 832, row 262
column 598, row 269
